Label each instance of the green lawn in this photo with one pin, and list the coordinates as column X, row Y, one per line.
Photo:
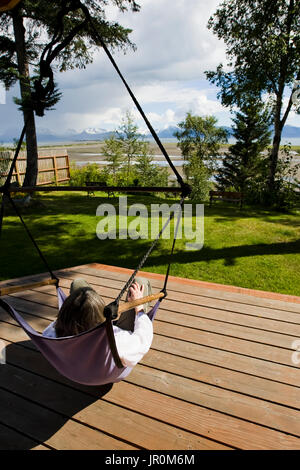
column 251, row 248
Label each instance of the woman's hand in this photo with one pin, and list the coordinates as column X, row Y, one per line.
column 136, row 291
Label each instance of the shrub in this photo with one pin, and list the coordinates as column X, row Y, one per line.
column 284, row 195
column 198, row 176
column 89, row 172
column 149, row 174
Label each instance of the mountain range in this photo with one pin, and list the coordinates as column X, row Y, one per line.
column 91, row 134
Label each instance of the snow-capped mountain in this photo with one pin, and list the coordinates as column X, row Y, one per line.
column 94, row 130
column 92, row 133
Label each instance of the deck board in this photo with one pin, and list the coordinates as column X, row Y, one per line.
column 219, row 374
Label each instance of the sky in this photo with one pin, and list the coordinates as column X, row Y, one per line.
column 166, row 73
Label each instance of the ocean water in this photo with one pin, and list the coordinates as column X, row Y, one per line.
column 231, row 140
column 284, row 141
column 162, row 163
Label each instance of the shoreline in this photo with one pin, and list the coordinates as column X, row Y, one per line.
column 82, row 147
column 76, row 151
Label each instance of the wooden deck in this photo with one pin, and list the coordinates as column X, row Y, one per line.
column 219, row 374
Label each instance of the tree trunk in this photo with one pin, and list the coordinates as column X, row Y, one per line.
column 274, row 160
column 278, row 122
column 23, row 68
column 278, row 126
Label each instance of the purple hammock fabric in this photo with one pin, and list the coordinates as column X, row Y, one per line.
column 85, row 358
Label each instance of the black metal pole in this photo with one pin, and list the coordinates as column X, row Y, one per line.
column 121, row 189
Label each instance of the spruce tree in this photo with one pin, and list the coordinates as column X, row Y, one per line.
column 244, row 160
column 112, row 150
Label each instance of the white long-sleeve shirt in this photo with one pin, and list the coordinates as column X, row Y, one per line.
column 131, row 346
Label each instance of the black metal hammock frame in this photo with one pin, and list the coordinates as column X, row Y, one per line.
column 111, row 310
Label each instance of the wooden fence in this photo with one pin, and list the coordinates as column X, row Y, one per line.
column 53, row 167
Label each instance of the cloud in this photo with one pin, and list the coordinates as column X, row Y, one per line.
column 165, row 104
column 173, row 45
column 173, row 42
column 174, row 48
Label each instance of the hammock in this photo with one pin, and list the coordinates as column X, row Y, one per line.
column 90, row 358
column 85, row 358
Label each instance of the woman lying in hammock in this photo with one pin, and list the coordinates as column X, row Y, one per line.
column 83, row 310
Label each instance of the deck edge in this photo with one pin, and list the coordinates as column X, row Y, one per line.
column 204, row 284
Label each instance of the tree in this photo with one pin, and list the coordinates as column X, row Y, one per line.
column 32, row 26
column 4, row 165
column 263, row 47
column 198, row 176
column 286, row 187
column 112, row 150
column 199, row 136
column 126, row 146
column 130, row 140
column 199, row 140
column 244, row 160
column 148, row 173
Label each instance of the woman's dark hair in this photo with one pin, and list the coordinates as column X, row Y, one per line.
column 81, row 311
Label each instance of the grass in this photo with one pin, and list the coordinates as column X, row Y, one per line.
column 252, row 248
